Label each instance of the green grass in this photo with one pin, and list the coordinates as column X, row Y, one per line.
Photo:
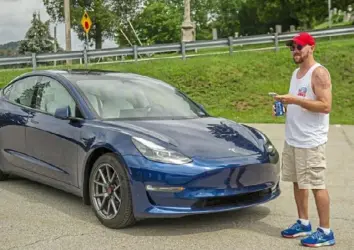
column 236, row 86
column 325, row 25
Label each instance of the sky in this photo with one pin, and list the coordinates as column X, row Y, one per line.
column 15, row 20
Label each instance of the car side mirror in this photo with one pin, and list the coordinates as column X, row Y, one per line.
column 63, row 112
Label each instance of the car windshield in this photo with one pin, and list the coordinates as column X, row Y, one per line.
column 133, row 97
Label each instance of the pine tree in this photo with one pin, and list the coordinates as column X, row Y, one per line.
column 38, row 38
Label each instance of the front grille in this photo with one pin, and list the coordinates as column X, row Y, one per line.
column 236, row 200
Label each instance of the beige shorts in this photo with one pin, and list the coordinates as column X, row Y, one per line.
column 306, row 166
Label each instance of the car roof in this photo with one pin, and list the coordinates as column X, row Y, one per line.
column 85, row 73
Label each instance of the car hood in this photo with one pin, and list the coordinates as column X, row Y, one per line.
column 202, row 137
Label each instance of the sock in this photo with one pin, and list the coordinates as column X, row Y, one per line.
column 304, row 222
column 326, row 230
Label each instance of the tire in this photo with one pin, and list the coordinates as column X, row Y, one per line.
column 108, row 217
column 3, row 176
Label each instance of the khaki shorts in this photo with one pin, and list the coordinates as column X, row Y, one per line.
column 306, row 166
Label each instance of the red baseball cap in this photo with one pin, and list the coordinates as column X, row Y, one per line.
column 303, row 39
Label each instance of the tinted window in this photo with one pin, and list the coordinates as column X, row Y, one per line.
column 52, row 95
column 22, row 91
column 136, row 97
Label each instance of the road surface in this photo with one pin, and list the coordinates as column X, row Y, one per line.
column 34, row 216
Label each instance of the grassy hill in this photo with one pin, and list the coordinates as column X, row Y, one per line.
column 237, row 86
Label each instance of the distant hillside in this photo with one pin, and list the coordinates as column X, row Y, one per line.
column 9, row 49
column 10, row 45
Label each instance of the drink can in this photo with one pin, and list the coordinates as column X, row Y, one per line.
column 279, row 108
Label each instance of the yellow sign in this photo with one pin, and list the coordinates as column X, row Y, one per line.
column 86, row 22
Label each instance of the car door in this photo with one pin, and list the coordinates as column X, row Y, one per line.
column 16, row 101
column 53, row 142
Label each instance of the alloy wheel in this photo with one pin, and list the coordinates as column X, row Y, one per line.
column 106, row 191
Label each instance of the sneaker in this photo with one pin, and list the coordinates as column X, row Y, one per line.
column 319, row 239
column 297, row 230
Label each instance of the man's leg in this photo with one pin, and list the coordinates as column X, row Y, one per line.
column 302, row 202
column 322, row 204
column 311, row 174
column 302, row 227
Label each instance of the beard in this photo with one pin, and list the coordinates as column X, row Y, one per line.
column 298, row 58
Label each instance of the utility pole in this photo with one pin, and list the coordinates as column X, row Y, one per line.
column 55, row 42
column 329, row 14
column 67, row 27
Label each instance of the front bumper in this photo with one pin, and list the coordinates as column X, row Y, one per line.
column 164, row 190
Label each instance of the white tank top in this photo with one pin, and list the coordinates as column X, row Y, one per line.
column 303, row 128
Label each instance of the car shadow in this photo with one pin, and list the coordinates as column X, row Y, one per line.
column 71, row 205
column 244, row 219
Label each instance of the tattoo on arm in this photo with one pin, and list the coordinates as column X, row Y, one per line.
column 322, row 88
column 322, row 79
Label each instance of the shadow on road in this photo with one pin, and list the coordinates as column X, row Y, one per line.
column 246, row 219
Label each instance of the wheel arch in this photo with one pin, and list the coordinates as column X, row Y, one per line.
column 92, row 158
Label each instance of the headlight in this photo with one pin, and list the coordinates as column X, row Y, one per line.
column 268, row 145
column 270, row 148
column 158, row 153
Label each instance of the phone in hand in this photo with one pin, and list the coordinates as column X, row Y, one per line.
column 272, row 94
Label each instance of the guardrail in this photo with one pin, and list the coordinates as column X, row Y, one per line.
column 182, row 48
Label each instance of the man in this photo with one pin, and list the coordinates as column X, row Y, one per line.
column 309, row 103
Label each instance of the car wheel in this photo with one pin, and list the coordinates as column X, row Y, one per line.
column 110, row 193
column 3, row 176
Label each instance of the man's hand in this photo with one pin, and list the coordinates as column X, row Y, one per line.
column 286, row 99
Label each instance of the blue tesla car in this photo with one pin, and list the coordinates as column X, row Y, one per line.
column 131, row 146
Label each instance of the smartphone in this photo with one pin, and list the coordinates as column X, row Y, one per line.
column 272, row 94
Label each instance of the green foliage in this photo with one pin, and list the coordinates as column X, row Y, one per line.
column 106, row 16
column 227, row 17
column 201, row 15
column 236, row 87
column 38, row 38
column 158, row 23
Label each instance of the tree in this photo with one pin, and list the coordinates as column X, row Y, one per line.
column 227, row 17
column 202, row 11
column 342, row 4
column 160, row 22
column 38, row 38
column 157, row 23
column 106, row 16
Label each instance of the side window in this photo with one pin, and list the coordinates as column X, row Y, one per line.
column 22, row 91
column 52, row 95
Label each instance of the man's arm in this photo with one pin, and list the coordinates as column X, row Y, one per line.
column 322, row 87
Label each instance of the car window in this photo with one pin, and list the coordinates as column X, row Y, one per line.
column 137, row 98
column 22, row 91
column 52, row 95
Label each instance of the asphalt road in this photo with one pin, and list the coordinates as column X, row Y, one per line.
column 33, row 216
